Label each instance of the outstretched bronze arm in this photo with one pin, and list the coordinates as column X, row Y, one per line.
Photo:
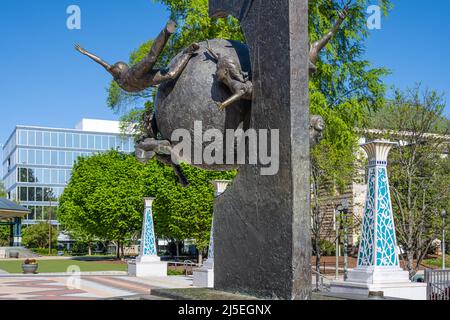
column 93, row 57
column 317, row 46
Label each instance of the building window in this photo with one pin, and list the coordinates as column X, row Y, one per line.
column 32, row 215
column 54, row 176
column 39, row 139
column 54, row 158
column 23, row 175
column 76, row 141
column 23, row 137
column 46, row 157
column 91, row 142
column 112, row 143
column 47, row 141
column 69, row 140
column 39, row 157
column 23, row 193
column 31, row 176
column 23, row 156
column 38, row 213
column 31, row 138
column 84, row 144
column 31, row 156
column 31, row 194
column 54, row 139
column 39, row 195
column 62, row 158
column 62, row 140
column 46, row 173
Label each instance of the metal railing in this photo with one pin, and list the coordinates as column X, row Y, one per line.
column 438, row 284
column 323, row 287
column 187, row 264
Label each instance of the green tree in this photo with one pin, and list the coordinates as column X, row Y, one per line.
column 104, row 197
column 4, row 236
column 419, row 171
column 183, row 213
column 37, row 236
column 2, row 190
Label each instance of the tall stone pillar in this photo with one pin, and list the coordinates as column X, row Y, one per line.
column 204, row 276
column 148, row 264
column 378, row 267
column 262, row 234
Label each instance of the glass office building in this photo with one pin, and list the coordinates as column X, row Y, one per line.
column 37, row 162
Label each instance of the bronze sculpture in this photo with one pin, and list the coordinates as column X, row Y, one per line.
column 142, row 75
column 229, row 73
column 317, row 46
column 179, row 105
column 239, row 84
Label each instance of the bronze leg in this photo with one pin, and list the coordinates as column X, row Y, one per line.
column 172, row 72
column 140, row 69
column 236, row 97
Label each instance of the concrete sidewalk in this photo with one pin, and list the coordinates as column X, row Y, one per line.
column 84, row 287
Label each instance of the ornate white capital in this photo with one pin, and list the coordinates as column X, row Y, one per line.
column 220, row 186
column 378, row 151
column 148, row 202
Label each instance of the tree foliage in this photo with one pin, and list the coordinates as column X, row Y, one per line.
column 104, row 199
column 4, row 236
column 2, row 190
column 37, row 236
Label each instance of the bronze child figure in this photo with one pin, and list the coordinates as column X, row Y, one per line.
column 229, row 73
column 142, row 75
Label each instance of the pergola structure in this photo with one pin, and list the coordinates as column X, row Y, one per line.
column 11, row 214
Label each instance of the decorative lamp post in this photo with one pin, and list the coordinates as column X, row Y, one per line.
column 443, row 215
column 336, row 227
column 378, row 259
column 204, row 276
column 148, row 264
column 378, row 268
column 345, row 207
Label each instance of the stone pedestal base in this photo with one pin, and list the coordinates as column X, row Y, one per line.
column 378, row 276
column 145, row 267
column 393, row 282
column 204, row 277
column 407, row 290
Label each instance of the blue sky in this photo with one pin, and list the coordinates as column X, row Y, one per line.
column 46, row 83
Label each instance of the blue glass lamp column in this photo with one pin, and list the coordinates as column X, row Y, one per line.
column 378, row 260
column 219, row 186
column 148, row 264
column 148, row 251
column 204, row 276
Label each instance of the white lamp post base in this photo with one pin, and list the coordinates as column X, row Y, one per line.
column 405, row 290
column 148, row 266
column 204, row 277
column 378, row 276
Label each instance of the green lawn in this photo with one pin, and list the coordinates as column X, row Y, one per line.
column 56, row 266
column 437, row 262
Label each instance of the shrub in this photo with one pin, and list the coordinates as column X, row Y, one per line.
column 37, row 236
